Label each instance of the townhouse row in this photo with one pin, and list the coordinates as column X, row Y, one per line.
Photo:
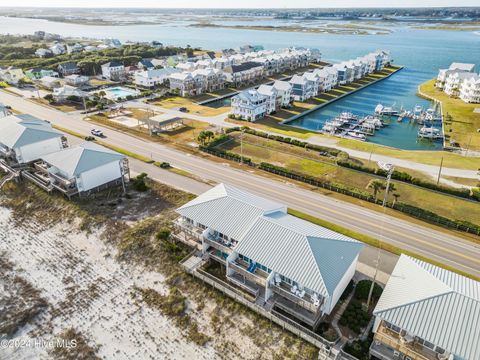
column 299, row 270
column 460, row 81
column 252, row 105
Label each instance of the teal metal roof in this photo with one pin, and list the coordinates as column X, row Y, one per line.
column 21, row 130
column 77, row 160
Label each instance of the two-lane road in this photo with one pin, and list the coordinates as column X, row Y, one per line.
column 436, row 245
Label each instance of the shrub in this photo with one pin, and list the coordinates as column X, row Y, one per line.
column 354, row 317
column 363, row 288
column 139, row 183
column 163, row 234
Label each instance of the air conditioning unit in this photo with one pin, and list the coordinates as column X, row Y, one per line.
column 445, row 356
column 396, row 354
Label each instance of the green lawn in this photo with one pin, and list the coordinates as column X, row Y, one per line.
column 311, row 163
column 465, row 122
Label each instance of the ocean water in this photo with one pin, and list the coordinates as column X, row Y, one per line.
column 421, row 51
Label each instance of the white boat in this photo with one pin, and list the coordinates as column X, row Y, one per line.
column 356, row 135
column 329, row 127
column 429, row 133
column 386, row 110
column 347, row 116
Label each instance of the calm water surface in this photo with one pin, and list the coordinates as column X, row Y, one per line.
column 422, row 52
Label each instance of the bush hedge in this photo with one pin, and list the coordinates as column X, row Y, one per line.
column 363, row 288
column 354, row 317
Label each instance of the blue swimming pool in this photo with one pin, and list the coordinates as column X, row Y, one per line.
column 119, row 92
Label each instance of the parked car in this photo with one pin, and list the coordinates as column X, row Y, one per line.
column 89, row 138
column 97, row 132
column 183, row 109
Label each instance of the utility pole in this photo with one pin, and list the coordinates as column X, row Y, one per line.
column 389, row 168
column 370, row 157
column 440, row 170
column 241, row 146
column 468, row 146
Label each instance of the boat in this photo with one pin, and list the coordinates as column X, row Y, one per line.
column 348, row 116
column 329, row 127
column 386, row 110
column 356, row 135
column 430, row 133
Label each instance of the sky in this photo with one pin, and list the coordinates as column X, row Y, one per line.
column 239, row 4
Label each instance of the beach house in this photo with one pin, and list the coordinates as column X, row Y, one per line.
column 154, row 77
column 24, row 138
column 246, row 73
column 284, row 89
column 68, row 68
column 274, row 99
column 455, row 67
column 289, row 265
column 470, row 89
column 12, row 75
column 427, row 313
column 113, row 70
column 302, row 88
column 249, row 105
column 77, row 80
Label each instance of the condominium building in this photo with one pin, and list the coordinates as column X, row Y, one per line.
column 274, row 100
column 302, row 88
column 249, row 105
column 455, row 67
column 153, row 77
column 454, row 81
column 114, row 70
column 289, row 265
column 247, row 73
column 284, row 89
column 427, row 313
column 470, row 89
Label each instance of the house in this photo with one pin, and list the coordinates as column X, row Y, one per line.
column 38, row 73
column 314, row 79
column 74, row 48
column 284, row 89
column 66, row 92
column 24, row 138
column 57, row 49
column 426, row 312
column 83, row 169
column 50, row 82
column 186, row 66
column 287, row 264
column 154, row 77
column 302, row 88
column 249, row 105
column 43, row 53
column 345, row 73
column 274, row 99
column 132, row 69
column 470, row 89
column 11, row 75
column 210, row 79
column 146, row 64
column 245, row 73
column 68, row 68
column 324, row 80
column 454, row 81
column 113, row 70
column 455, row 67
column 89, row 48
column 77, row 80
column 183, row 83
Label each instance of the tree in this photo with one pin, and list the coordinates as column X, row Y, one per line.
column 204, row 136
column 375, row 185
column 102, row 94
column 390, row 189
column 49, row 98
column 395, row 198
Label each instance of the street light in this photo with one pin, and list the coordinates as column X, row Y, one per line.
column 389, row 168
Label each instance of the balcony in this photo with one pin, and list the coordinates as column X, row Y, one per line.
column 284, row 290
column 241, row 267
column 189, row 229
column 218, row 243
column 386, row 342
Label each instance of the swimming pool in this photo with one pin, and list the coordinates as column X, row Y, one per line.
column 116, row 93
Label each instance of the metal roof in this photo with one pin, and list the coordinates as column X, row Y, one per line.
column 311, row 255
column 435, row 304
column 228, row 210
column 84, row 157
column 24, row 129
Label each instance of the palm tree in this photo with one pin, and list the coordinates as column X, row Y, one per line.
column 376, row 185
column 395, row 199
column 390, row 189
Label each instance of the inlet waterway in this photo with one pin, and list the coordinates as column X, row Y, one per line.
column 421, row 51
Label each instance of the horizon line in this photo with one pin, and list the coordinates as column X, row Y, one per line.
column 239, row 8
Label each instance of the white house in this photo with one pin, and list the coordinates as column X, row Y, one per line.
column 50, row 82
column 113, row 70
column 77, row 80
column 57, row 49
column 152, row 78
column 85, row 168
column 454, row 81
column 301, row 268
column 284, row 89
column 65, row 92
column 315, row 81
column 249, row 105
column 427, row 312
column 42, row 53
column 302, row 88
column 274, row 99
column 470, row 89
column 11, row 75
column 183, row 83
column 24, row 138
column 74, row 48
column 443, row 74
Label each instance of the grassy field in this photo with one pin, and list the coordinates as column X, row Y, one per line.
column 311, row 163
column 177, row 102
column 463, row 129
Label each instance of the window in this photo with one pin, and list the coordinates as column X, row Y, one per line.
column 429, row 345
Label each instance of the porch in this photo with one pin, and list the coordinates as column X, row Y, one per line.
column 249, row 271
column 187, row 233
column 311, row 318
column 305, row 301
column 219, row 243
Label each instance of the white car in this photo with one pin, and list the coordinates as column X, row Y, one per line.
column 97, row 132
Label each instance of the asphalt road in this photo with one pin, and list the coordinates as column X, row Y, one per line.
column 436, row 245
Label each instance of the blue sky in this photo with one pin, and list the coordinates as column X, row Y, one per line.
column 243, row 3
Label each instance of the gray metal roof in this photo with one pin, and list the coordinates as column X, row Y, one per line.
column 24, row 129
column 435, row 304
column 311, row 255
column 228, row 210
column 77, row 160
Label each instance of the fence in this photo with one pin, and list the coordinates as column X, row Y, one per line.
column 275, row 317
